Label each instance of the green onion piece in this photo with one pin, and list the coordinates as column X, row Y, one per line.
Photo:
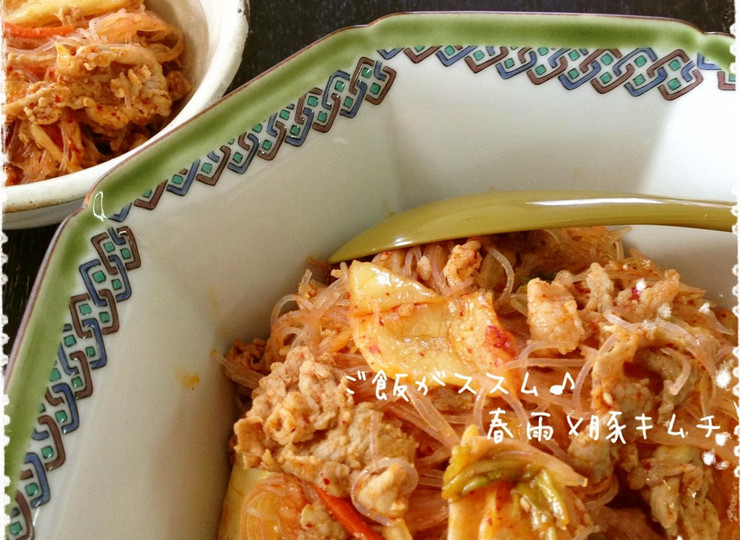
column 490, row 469
column 544, row 482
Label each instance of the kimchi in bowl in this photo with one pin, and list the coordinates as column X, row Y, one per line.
column 213, row 39
column 196, row 252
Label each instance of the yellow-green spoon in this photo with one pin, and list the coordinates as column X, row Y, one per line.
column 510, row 211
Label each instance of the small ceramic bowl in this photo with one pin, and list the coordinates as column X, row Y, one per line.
column 215, row 34
column 120, row 417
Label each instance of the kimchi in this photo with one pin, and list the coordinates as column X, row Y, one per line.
column 84, row 86
column 540, row 385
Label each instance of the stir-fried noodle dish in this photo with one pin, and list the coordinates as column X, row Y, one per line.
column 84, row 83
column 537, row 385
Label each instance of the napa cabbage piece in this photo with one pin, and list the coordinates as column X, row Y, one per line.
column 241, row 482
column 510, row 490
column 41, row 12
column 404, row 328
column 262, row 505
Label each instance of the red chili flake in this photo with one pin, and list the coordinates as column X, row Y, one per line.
column 326, row 481
column 499, row 339
column 421, row 354
column 635, row 294
column 374, row 349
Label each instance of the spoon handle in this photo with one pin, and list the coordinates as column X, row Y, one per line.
column 510, row 211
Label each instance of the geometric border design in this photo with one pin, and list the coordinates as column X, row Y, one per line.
column 315, row 111
column 93, row 312
column 637, row 71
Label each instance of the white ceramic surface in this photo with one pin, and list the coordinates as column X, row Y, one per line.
column 151, row 276
column 215, row 34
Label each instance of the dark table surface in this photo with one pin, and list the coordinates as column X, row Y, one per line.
column 279, row 28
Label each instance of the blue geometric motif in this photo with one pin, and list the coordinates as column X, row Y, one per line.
column 93, row 314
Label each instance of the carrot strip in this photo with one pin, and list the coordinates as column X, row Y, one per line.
column 14, row 30
column 347, row 516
